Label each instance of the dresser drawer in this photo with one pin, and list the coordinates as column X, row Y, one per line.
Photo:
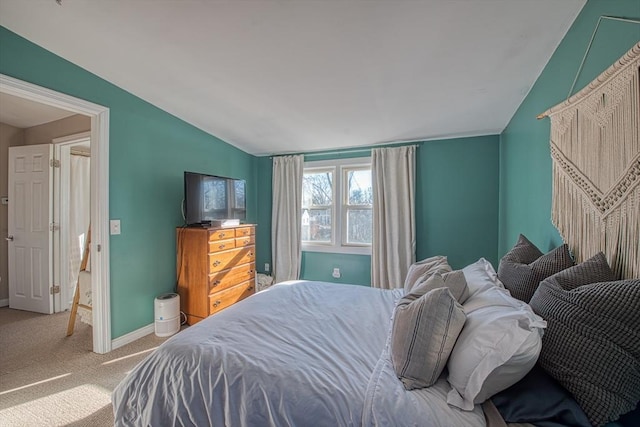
column 221, row 234
column 244, row 231
column 226, row 259
column 221, row 245
column 224, row 299
column 228, row 278
column 245, row 241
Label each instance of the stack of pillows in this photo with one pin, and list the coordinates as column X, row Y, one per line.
column 488, row 329
column 466, row 321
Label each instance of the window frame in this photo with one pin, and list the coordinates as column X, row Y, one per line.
column 340, row 207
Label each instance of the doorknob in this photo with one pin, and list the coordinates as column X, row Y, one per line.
column 9, row 238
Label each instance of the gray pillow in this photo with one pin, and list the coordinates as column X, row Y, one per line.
column 423, row 334
column 523, row 268
column 595, row 269
column 592, row 342
column 421, row 270
column 454, row 280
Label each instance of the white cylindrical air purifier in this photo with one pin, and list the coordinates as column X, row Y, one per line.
column 167, row 314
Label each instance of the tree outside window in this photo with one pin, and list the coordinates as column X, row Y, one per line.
column 317, row 206
column 337, row 198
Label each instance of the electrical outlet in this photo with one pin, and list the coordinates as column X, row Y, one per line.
column 114, row 226
column 336, row 273
column 266, row 267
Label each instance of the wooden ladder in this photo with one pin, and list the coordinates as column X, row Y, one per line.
column 76, row 295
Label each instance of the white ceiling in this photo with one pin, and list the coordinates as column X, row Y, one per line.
column 22, row 113
column 292, row 76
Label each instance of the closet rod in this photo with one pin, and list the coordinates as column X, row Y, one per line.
column 80, row 153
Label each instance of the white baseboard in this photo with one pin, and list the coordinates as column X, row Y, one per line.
column 132, row 336
column 4, row 302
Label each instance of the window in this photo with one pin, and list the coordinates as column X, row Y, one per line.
column 337, row 196
column 358, row 194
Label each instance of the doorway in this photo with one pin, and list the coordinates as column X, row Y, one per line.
column 71, row 215
column 99, row 205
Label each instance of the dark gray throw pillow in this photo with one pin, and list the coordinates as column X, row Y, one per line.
column 540, row 400
column 592, row 342
column 595, row 269
column 523, row 268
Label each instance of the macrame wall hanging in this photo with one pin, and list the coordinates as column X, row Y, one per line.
column 595, row 147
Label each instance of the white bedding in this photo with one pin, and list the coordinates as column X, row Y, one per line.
column 297, row 354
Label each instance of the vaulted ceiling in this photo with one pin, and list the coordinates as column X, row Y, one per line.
column 278, row 76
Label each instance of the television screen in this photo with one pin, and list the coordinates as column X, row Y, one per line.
column 210, row 197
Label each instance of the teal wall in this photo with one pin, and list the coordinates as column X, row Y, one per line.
column 354, row 269
column 456, row 208
column 469, row 190
column 457, row 199
column 264, row 170
column 148, row 151
column 525, row 162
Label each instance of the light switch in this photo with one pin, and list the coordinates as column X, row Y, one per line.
column 114, row 226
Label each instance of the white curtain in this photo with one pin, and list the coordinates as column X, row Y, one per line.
column 286, row 217
column 394, row 229
column 79, row 216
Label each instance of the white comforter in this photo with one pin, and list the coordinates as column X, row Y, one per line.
column 297, row 354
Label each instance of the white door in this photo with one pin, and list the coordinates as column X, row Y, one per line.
column 30, row 214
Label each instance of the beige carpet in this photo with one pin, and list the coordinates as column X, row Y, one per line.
column 48, row 379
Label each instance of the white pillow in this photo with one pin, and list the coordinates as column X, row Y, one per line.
column 480, row 276
column 500, row 342
column 491, row 297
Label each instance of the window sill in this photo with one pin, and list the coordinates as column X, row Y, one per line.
column 354, row 250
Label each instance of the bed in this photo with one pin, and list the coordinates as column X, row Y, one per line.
column 298, row 353
column 566, row 351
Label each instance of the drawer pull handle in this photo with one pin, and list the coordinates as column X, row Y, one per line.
column 250, row 272
column 221, row 235
column 250, row 254
column 245, row 232
column 246, row 242
column 221, row 247
column 250, row 288
column 216, row 263
column 216, row 304
column 216, row 283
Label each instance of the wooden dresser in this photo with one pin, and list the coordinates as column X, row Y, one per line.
column 215, row 268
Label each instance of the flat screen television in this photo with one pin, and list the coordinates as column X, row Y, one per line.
column 209, row 198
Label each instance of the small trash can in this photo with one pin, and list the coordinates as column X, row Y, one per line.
column 167, row 314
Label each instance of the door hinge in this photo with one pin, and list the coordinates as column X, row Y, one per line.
column 55, row 289
column 54, row 226
column 54, row 163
